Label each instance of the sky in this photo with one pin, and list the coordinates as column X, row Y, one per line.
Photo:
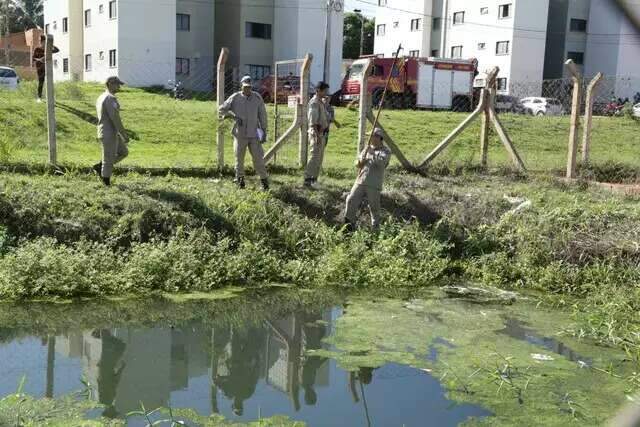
column 367, row 9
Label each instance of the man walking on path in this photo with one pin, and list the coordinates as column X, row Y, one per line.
column 39, row 61
column 249, row 131
column 318, row 127
column 111, row 132
column 372, row 163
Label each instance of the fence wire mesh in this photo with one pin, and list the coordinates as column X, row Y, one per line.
column 172, row 121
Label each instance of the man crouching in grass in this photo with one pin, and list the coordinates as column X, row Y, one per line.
column 372, row 163
column 111, row 132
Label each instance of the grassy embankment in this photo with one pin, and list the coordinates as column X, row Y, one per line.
column 69, row 237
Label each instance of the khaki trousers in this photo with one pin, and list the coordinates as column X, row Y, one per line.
column 113, row 151
column 354, row 200
column 317, row 143
column 240, row 146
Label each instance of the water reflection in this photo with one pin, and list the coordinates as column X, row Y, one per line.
column 241, row 369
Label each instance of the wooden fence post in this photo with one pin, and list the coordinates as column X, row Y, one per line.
column 365, row 106
column 486, row 98
column 575, row 118
column 222, row 63
column 303, row 143
column 51, row 102
column 588, row 117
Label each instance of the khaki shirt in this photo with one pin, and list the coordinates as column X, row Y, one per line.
column 250, row 109
column 109, row 123
column 317, row 114
column 375, row 163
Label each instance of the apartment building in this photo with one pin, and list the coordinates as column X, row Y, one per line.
column 528, row 40
column 150, row 42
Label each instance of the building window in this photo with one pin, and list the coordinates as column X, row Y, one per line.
column 258, row 72
column 382, row 2
column 87, row 18
column 458, row 18
column 55, row 63
column 456, row 51
column 113, row 10
column 504, row 11
column 396, row 24
column 502, row 48
column 482, row 46
column 87, row 62
column 484, row 11
column 435, row 53
column 65, row 25
column 577, row 57
column 113, row 61
column 101, row 55
column 381, row 29
column 101, row 9
column 579, row 25
column 183, row 66
column 415, row 24
column 414, row 53
column 65, row 65
column 502, row 83
column 256, row 30
column 183, row 22
column 55, row 25
column 436, row 24
column 46, row 29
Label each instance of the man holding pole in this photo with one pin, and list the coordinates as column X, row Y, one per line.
column 249, row 131
column 318, row 128
column 111, row 132
column 39, row 61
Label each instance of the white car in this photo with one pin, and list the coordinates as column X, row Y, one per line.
column 636, row 111
column 542, row 106
column 9, row 78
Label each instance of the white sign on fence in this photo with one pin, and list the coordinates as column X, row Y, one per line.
column 293, row 100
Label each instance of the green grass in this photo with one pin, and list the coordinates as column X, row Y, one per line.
column 169, row 133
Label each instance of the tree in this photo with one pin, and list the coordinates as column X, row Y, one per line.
column 352, row 31
column 21, row 15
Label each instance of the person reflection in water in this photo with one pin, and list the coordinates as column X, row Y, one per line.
column 110, row 370
column 364, row 375
column 313, row 335
column 243, row 362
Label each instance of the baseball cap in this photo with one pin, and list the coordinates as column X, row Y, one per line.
column 246, row 81
column 378, row 132
column 322, row 85
column 114, row 79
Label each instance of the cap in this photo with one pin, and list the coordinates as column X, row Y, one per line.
column 246, row 81
column 113, row 79
column 378, row 132
column 322, row 85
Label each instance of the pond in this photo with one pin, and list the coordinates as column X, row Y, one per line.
column 326, row 361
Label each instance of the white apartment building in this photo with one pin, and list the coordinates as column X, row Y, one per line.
column 529, row 40
column 151, row 42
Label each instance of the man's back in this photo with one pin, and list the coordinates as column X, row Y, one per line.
column 106, row 106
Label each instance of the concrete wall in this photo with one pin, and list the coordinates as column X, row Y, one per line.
column 99, row 38
column 528, row 47
column 411, row 40
column 254, row 51
column 70, row 43
column 197, row 44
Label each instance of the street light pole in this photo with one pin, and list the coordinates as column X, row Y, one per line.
column 337, row 6
column 362, row 19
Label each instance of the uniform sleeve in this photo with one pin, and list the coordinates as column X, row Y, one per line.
column 227, row 106
column 331, row 114
column 111, row 107
column 382, row 158
column 262, row 114
column 314, row 114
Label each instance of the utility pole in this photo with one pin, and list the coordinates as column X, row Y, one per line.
column 332, row 6
column 362, row 20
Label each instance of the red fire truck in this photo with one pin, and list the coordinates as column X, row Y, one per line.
column 433, row 83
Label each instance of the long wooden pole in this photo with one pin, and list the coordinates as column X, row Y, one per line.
column 303, row 143
column 575, row 119
column 222, row 62
column 51, row 102
column 364, row 110
column 588, row 118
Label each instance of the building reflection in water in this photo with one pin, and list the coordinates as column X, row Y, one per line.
column 127, row 365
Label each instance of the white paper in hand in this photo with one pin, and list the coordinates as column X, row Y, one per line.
column 260, row 135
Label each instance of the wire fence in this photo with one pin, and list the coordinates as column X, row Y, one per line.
column 172, row 120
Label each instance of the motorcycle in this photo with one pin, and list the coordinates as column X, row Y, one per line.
column 614, row 108
column 176, row 90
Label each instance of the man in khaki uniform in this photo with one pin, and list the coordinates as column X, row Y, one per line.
column 111, row 132
column 249, row 131
column 318, row 127
column 372, row 163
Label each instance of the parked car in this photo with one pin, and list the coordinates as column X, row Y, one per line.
column 542, row 106
column 287, row 86
column 9, row 78
column 508, row 104
column 636, row 110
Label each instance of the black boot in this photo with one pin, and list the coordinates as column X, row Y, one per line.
column 97, row 168
column 265, row 184
column 349, row 226
column 240, row 183
column 106, row 181
column 308, row 182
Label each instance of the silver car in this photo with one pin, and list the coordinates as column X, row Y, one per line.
column 538, row 106
column 9, row 78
